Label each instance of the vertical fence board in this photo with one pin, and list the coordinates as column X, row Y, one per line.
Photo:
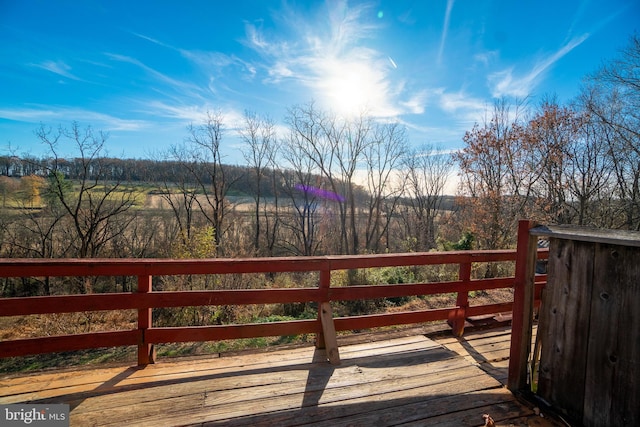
column 329, row 332
column 523, row 302
column 458, row 317
column 611, row 396
column 146, row 351
column 324, row 285
column 564, row 325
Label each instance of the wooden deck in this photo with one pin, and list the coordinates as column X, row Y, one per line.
column 409, row 380
column 488, row 349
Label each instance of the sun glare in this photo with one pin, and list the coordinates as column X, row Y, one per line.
column 352, row 88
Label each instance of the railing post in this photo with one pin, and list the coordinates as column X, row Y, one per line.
column 146, row 351
column 523, row 299
column 327, row 339
column 459, row 316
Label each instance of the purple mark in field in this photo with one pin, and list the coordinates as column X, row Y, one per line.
column 325, row 194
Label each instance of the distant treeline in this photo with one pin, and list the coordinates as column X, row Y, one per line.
column 119, row 170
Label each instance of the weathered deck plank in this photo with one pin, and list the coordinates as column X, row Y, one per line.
column 410, row 380
column 489, row 349
column 51, row 385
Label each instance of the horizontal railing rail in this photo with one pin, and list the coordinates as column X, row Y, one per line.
column 144, row 300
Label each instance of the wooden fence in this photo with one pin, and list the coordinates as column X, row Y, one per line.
column 589, row 329
column 144, row 300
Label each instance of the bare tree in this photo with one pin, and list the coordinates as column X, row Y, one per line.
column 337, row 146
column 383, row 156
column 208, row 172
column 94, row 204
column 178, row 190
column 621, row 78
column 260, row 141
column 308, row 139
column 304, row 214
column 348, row 140
column 427, row 171
column 588, row 173
column 271, row 211
column 40, row 233
column 614, row 99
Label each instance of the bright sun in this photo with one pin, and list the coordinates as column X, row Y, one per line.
column 347, row 93
column 351, row 88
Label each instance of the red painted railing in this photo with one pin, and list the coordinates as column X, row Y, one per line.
column 144, row 300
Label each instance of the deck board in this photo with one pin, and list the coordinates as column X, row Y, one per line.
column 488, row 349
column 403, row 381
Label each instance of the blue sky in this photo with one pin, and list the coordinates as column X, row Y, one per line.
column 144, row 70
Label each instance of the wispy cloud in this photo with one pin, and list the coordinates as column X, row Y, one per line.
column 465, row 108
column 60, row 68
column 607, row 19
column 416, row 103
column 213, row 66
column 48, row 113
column 194, row 113
column 576, row 18
column 505, row 83
column 210, row 61
column 485, row 58
column 170, row 82
column 445, row 29
column 454, row 102
column 186, row 113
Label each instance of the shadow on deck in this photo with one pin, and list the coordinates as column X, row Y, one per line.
column 410, row 380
